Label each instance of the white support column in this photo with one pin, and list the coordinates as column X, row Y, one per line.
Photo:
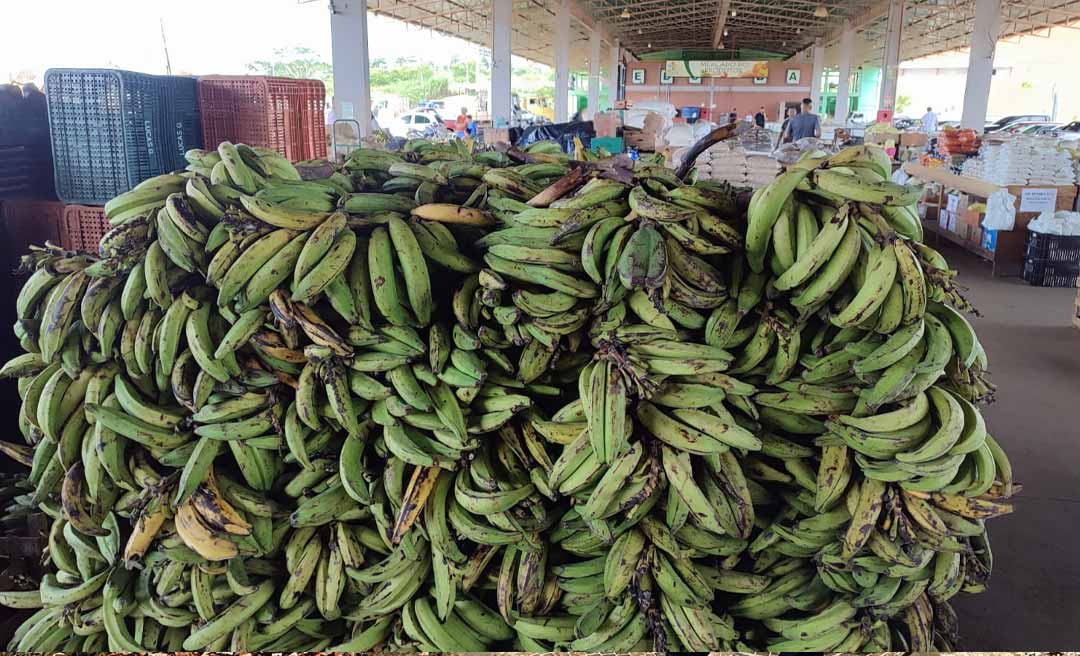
column 562, row 62
column 890, row 65
column 502, row 24
column 843, row 91
column 981, row 63
column 594, row 73
column 818, row 52
column 349, row 51
column 613, row 73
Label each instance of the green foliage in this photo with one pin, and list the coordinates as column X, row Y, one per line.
column 902, row 103
column 298, row 63
column 407, row 77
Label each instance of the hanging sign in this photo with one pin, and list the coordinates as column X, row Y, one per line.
column 698, row 69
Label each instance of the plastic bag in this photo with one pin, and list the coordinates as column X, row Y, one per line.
column 1056, row 223
column 1000, row 211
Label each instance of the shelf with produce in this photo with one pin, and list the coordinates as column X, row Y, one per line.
column 1008, row 252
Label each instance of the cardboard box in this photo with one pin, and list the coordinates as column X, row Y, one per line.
column 496, row 135
column 607, row 124
column 969, row 228
column 640, row 141
column 971, row 218
column 956, row 202
column 884, row 139
column 653, row 123
column 914, row 139
column 947, row 221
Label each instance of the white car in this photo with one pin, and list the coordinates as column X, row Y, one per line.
column 1070, row 132
column 414, row 123
column 856, row 124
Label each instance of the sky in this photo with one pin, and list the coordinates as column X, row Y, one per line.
column 203, row 36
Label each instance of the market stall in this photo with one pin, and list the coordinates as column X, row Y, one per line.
column 954, row 209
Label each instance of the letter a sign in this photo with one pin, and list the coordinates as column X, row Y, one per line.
column 793, row 76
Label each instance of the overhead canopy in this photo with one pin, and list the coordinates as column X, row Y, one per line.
column 533, row 24
column 781, row 26
column 778, row 27
column 935, row 26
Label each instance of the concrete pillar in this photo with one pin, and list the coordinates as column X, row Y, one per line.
column 349, row 52
column 981, row 63
column 843, row 91
column 890, row 65
column 594, row 73
column 818, row 52
column 613, row 73
column 502, row 24
column 562, row 61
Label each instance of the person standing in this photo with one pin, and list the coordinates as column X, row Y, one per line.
column 929, row 122
column 759, row 118
column 733, row 115
column 784, row 136
column 461, row 125
column 806, row 124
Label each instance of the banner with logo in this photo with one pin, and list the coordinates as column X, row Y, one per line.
column 698, row 69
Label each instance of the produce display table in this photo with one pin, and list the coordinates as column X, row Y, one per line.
column 1006, row 250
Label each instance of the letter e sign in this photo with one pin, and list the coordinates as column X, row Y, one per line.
column 793, row 75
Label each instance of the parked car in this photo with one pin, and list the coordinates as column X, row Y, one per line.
column 1033, row 128
column 1068, row 132
column 905, row 123
column 1008, row 121
column 856, row 124
column 416, row 124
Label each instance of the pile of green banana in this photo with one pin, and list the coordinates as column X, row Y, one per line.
column 420, row 401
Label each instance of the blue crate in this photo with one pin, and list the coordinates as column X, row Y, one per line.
column 112, row 129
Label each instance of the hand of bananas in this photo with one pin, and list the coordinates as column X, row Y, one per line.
column 397, row 406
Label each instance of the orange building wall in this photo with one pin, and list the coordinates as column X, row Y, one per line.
column 719, row 95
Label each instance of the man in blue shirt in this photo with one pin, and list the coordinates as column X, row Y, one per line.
column 805, row 124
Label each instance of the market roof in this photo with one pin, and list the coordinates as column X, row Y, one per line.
column 533, row 26
column 773, row 27
column 936, row 26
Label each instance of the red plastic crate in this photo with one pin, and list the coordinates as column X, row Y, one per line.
column 83, row 227
column 273, row 112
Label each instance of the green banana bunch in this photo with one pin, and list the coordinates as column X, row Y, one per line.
column 442, row 400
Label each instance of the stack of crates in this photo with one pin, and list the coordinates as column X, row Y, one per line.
column 1051, row 260
column 284, row 114
column 25, row 156
column 112, row 129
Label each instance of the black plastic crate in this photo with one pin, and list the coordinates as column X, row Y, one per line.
column 24, row 118
column 112, row 129
column 1047, row 273
column 1052, row 248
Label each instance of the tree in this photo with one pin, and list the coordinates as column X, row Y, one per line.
column 902, row 103
column 297, row 63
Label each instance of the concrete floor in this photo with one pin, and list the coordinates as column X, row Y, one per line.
column 1033, row 601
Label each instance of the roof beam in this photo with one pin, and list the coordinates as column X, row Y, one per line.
column 721, row 19
column 859, row 19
